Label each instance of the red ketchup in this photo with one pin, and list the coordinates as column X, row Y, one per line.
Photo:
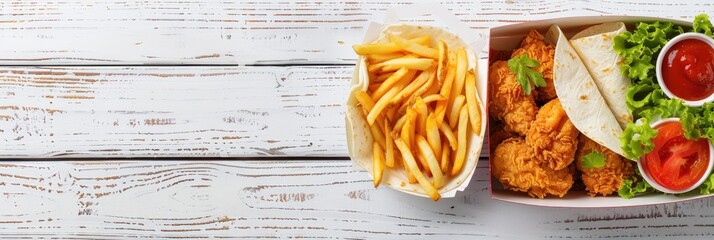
column 688, row 69
column 676, row 163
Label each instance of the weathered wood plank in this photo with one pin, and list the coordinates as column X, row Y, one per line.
column 45, row 32
column 173, row 111
column 312, row 199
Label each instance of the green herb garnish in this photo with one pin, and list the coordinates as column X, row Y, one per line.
column 593, row 159
column 522, row 66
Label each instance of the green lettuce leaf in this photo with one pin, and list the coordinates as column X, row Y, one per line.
column 702, row 24
column 665, row 108
column 647, row 102
column 639, row 48
column 708, row 186
column 636, row 140
column 634, row 186
column 699, row 122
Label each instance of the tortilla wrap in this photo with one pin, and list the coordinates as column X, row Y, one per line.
column 580, row 96
column 359, row 137
column 594, row 46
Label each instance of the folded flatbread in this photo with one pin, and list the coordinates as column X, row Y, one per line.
column 579, row 94
column 594, row 46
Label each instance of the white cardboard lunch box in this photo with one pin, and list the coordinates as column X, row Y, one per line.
column 506, row 38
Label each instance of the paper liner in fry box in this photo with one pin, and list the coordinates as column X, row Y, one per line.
column 359, row 138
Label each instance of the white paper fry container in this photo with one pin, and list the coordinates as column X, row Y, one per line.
column 359, row 138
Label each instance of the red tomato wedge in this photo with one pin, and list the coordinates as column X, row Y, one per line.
column 676, row 163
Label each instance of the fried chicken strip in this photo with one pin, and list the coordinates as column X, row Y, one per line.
column 509, row 103
column 535, row 47
column 497, row 135
column 604, row 180
column 553, row 136
column 514, row 166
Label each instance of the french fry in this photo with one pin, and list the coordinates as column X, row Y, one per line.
column 378, row 58
column 367, row 105
column 382, row 77
column 446, row 130
column 458, row 85
column 434, row 89
column 472, row 103
column 443, row 62
column 409, row 63
column 389, row 145
column 377, row 135
column 460, row 155
column 364, row 100
column 389, row 83
column 422, row 112
column 417, row 93
column 413, row 86
column 376, row 48
column 421, row 160
column 380, row 67
column 445, row 156
column 432, row 98
column 372, row 87
column 432, row 135
column 377, row 163
column 407, row 134
column 414, row 169
column 415, row 48
column 410, row 176
column 454, row 114
column 380, row 105
column 400, row 123
column 446, row 92
column 391, row 113
column 434, row 167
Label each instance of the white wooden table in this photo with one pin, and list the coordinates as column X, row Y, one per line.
column 223, row 119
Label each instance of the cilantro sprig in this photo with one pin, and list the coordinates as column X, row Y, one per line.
column 522, row 66
column 593, row 159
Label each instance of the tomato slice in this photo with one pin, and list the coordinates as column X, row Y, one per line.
column 676, row 163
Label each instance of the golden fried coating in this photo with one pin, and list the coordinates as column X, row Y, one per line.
column 535, row 47
column 508, row 101
column 553, row 136
column 497, row 134
column 604, row 180
column 514, row 166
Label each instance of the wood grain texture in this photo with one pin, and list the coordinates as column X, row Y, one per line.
column 95, row 112
column 294, row 199
column 173, row 111
column 46, row 32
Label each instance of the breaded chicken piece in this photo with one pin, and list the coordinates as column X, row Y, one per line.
column 536, row 48
column 553, row 136
column 514, row 166
column 604, row 180
column 496, row 135
column 509, row 103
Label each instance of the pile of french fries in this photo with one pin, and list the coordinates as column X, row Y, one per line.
column 419, row 103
